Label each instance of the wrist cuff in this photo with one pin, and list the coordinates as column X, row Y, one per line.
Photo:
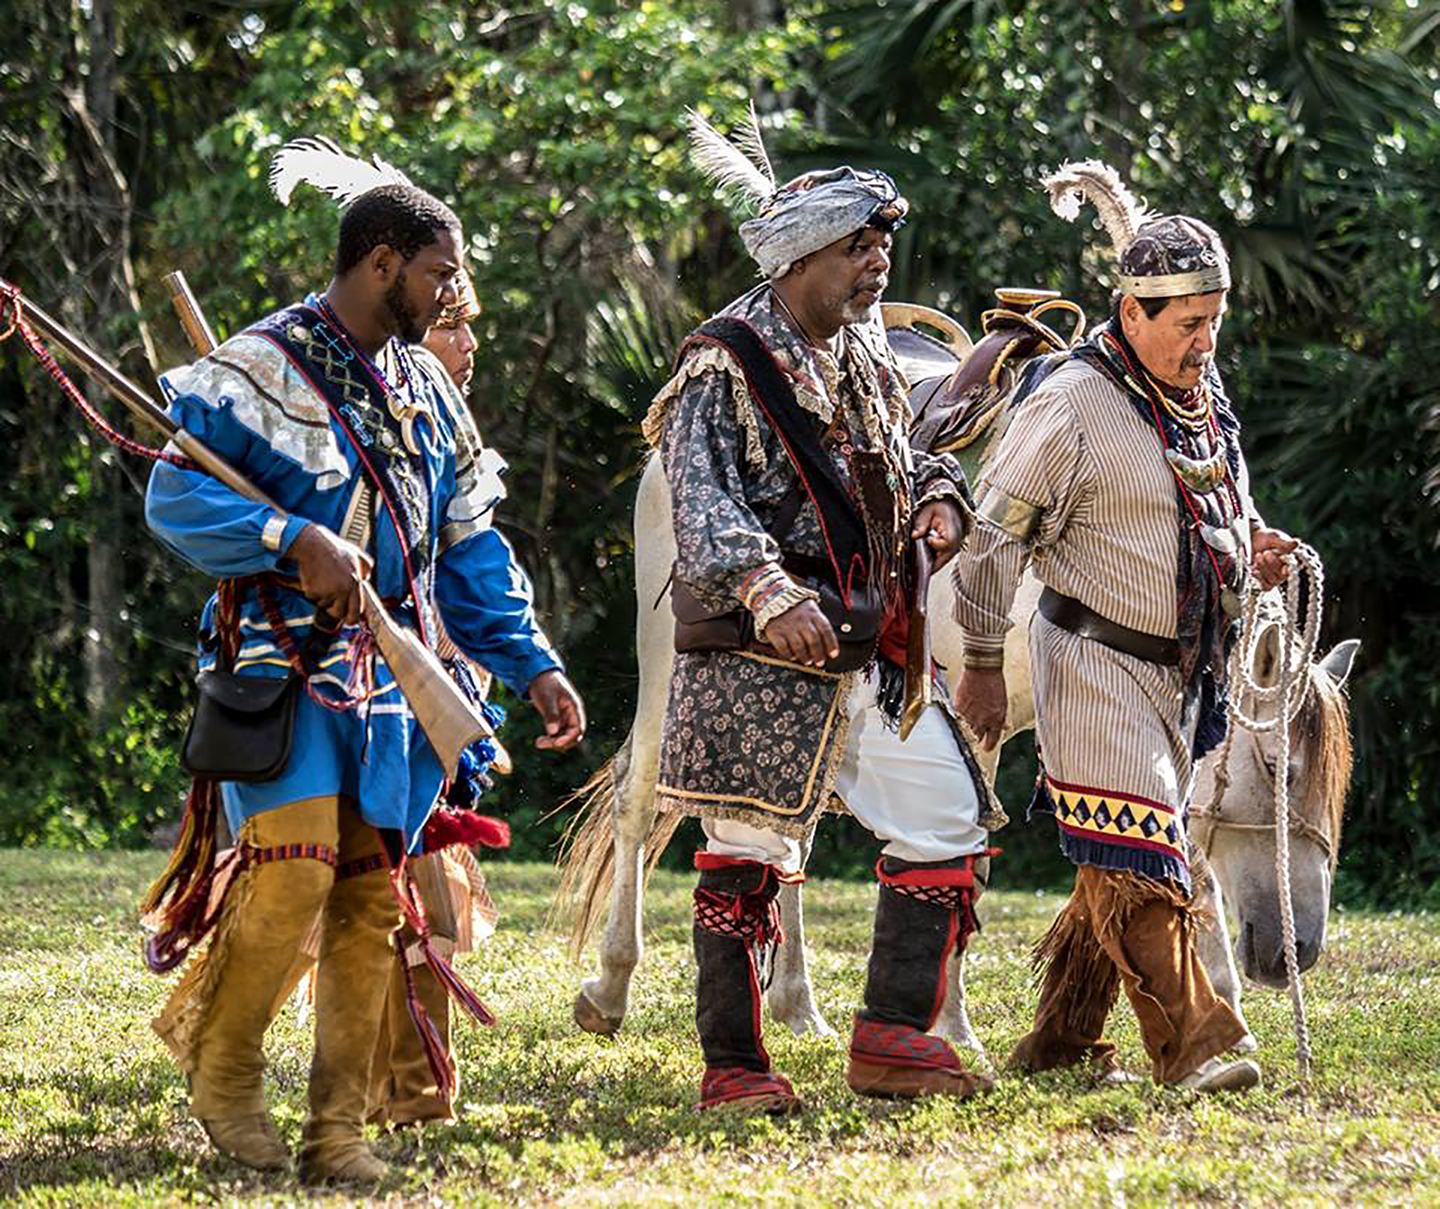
column 984, row 653
column 272, row 536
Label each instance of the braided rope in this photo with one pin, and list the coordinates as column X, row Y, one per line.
column 1298, row 641
column 10, row 299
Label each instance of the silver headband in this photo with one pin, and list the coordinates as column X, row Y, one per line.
column 1178, row 285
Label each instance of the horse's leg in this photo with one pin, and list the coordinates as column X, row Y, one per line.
column 600, row 1006
column 602, row 1001
column 1212, row 945
column 953, row 1022
column 791, row 998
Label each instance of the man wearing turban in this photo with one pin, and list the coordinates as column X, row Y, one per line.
column 796, row 499
column 1121, row 480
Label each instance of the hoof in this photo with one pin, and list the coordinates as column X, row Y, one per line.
column 1246, row 1045
column 593, row 1020
column 810, row 1022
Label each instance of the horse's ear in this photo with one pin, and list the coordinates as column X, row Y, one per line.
column 1338, row 662
column 1267, row 656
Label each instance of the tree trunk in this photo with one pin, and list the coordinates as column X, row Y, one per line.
column 100, row 243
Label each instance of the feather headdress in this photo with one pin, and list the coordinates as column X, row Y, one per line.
column 1101, row 186
column 318, row 161
column 740, row 167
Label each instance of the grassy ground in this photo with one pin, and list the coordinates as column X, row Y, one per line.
column 92, row 1111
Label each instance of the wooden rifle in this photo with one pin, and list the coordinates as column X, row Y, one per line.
column 444, row 713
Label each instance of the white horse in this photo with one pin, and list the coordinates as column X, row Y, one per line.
column 618, row 835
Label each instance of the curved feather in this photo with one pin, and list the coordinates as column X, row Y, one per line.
column 1100, row 185
column 317, row 161
column 725, row 163
column 751, row 140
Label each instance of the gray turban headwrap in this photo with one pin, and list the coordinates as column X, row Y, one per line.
column 1174, row 256
column 815, row 210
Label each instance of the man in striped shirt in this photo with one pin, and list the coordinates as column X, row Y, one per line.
column 1121, row 481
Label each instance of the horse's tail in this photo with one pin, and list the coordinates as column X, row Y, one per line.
column 587, row 850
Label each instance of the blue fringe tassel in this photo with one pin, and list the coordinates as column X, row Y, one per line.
column 1081, row 850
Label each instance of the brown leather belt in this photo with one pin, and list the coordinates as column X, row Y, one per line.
column 1069, row 614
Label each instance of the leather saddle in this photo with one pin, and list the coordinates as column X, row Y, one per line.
column 959, row 386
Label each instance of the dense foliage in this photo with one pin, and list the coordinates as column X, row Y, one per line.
column 137, row 137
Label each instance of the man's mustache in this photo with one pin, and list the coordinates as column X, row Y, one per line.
column 1195, row 361
column 877, row 284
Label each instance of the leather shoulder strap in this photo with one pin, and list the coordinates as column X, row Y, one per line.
column 841, row 522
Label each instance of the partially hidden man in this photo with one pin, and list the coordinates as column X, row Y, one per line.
column 323, row 406
column 783, row 438
column 450, row 882
column 1122, row 482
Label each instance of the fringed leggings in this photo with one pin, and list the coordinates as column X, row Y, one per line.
column 1120, row 928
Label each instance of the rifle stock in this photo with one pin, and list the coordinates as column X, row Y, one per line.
column 187, row 307
column 449, row 720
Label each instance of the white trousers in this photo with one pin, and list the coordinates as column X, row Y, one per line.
column 917, row 796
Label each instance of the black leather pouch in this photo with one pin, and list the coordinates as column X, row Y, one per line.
column 857, row 628
column 242, row 728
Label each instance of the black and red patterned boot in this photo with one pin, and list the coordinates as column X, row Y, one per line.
column 925, row 912
column 737, row 927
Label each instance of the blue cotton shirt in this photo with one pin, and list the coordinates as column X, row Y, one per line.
column 248, row 403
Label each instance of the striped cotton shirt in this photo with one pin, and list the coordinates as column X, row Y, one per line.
column 1080, row 485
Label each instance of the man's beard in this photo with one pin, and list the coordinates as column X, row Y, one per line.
column 403, row 317
column 852, row 310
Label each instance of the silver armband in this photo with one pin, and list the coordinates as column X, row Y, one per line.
column 1014, row 516
column 274, row 533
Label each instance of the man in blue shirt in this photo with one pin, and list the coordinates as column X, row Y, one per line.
column 324, row 408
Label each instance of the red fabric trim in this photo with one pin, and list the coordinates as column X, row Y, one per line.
column 901, row 1045
column 1108, row 794
column 1100, row 837
column 948, row 876
column 725, row 1083
column 894, row 642
column 714, row 860
column 251, row 855
column 360, row 866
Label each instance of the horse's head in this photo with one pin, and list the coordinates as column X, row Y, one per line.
column 1239, row 835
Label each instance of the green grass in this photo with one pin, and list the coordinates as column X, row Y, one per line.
column 92, row 1111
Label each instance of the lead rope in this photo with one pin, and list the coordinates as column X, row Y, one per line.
column 1298, row 641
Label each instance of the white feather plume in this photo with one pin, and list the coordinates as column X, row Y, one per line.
column 740, row 167
column 317, row 161
column 1101, row 186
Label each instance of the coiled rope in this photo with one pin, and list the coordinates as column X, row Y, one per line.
column 1299, row 638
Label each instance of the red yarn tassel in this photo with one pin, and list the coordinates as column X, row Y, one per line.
column 181, row 898
column 430, row 1039
column 446, row 828
column 456, row 985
